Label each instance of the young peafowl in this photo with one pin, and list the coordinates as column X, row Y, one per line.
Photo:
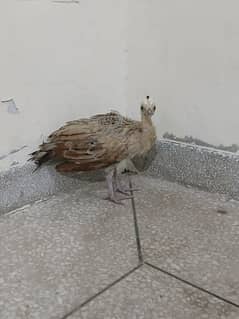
column 102, row 141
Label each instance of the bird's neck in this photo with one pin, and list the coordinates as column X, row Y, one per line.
column 146, row 120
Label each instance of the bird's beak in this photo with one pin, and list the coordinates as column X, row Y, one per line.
column 150, row 112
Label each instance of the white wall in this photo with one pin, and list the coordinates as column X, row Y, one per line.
column 186, row 54
column 59, row 61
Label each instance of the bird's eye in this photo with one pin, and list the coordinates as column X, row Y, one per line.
column 142, row 108
column 154, row 108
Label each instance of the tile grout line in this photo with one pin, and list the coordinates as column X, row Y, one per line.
column 136, row 225
column 140, row 259
column 87, row 301
column 141, row 263
column 191, row 284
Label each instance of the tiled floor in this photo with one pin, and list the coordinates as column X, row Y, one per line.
column 75, row 256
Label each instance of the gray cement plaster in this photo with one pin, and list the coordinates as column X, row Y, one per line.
column 149, row 294
column 196, row 141
column 190, row 233
column 20, row 185
column 57, row 253
column 209, row 169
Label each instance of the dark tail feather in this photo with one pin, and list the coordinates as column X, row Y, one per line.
column 39, row 157
column 37, row 167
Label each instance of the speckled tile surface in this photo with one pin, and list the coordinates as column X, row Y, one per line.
column 57, row 253
column 149, row 294
column 204, row 167
column 190, row 233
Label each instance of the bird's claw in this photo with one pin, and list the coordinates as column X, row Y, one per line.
column 126, row 191
column 118, row 201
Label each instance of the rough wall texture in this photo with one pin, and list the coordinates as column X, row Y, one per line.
column 206, row 168
column 20, row 186
column 209, row 169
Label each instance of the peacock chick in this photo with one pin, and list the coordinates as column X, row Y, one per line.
column 103, row 141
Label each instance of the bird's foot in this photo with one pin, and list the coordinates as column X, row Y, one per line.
column 126, row 191
column 116, row 200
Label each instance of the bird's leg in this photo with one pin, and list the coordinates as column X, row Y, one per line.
column 118, row 186
column 111, row 189
column 117, row 183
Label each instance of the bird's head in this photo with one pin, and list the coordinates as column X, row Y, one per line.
column 147, row 107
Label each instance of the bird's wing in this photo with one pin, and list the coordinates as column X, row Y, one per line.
column 89, row 144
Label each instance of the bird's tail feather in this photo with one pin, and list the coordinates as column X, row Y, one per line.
column 39, row 157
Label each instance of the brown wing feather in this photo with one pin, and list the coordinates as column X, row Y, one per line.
column 88, row 144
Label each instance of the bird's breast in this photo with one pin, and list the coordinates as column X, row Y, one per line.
column 142, row 142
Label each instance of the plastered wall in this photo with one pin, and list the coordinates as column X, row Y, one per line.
column 185, row 53
column 61, row 60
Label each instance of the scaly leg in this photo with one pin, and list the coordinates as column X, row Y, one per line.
column 111, row 189
column 118, row 186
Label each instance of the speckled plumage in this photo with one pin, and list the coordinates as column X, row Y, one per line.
column 99, row 142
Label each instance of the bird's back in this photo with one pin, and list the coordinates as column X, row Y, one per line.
column 89, row 144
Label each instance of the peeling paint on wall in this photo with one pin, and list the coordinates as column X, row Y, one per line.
column 57, row 1
column 13, row 152
column 2, row 157
column 234, row 148
column 14, row 163
column 11, row 106
column 65, row 1
column 17, row 150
